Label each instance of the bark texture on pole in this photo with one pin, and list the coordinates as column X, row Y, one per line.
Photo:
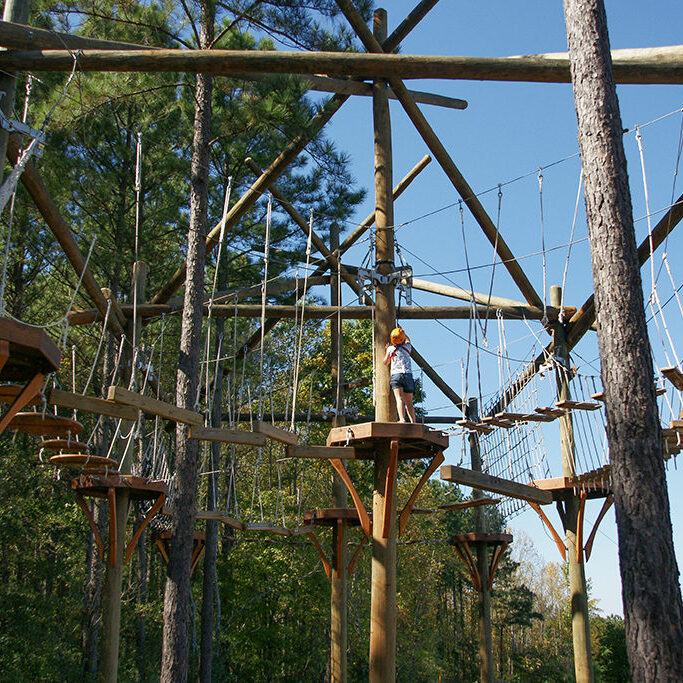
column 383, row 590
column 175, row 651
column 649, row 573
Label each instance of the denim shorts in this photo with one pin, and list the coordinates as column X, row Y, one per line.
column 404, row 380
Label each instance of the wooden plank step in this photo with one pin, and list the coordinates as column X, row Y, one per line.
column 154, row 407
column 600, row 395
column 219, row 517
column 512, row 417
column 674, row 375
column 548, row 410
column 275, row 433
column 487, row 482
column 496, row 422
column 578, row 405
column 540, row 417
column 270, row 528
column 218, row 435
column 322, row 452
column 474, row 426
column 91, row 404
column 475, row 502
column 303, row 530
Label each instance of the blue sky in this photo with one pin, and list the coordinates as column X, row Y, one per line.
column 510, row 131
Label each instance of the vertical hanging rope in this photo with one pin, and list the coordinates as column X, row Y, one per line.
column 544, row 320
column 264, row 285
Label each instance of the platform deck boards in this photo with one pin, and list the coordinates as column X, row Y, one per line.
column 31, row 351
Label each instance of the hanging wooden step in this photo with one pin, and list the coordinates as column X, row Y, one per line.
column 497, row 422
column 153, row 406
column 89, row 464
column 475, row 502
column 275, row 433
column 218, row 435
column 540, row 417
column 64, row 445
column 9, row 392
column 512, row 417
column 473, row 426
column 91, row 404
column 674, row 375
column 554, row 412
column 578, row 405
column 600, row 395
column 48, row 425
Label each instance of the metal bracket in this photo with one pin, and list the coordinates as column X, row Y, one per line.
column 401, row 276
column 329, row 412
column 14, row 126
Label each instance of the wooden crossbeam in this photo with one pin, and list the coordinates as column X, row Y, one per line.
column 487, row 482
column 275, row 433
column 322, row 452
column 154, row 406
column 91, row 404
column 218, row 435
column 639, row 65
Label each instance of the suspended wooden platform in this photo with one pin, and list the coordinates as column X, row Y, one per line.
column 675, row 376
column 64, row 445
column 27, row 354
column 462, row 544
column 487, row 482
column 338, row 519
column 109, row 487
column 45, row 425
column 595, row 483
column 163, row 544
column 88, row 464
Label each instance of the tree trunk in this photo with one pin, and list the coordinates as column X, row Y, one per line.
column 175, row 651
column 652, row 600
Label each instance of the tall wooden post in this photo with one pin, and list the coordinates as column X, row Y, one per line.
column 17, row 12
column 485, row 630
column 583, row 662
column 338, row 583
column 383, row 591
column 111, row 594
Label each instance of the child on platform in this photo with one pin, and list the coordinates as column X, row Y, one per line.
column 402, row 383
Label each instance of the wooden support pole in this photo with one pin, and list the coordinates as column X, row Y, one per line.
column 639, row 66
column 261, row 185
column 583, row 662
column 32, row 181
column 482, row 561
column 16, row 11
column 383, row 580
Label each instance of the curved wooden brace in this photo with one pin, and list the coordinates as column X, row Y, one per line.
column 31, row 390
column 197, row 552
column 158, row 504
column 579, row 525
column 355, row 555
column 558, row 541
column 95, row 531
column 470, row 564
column 163, row 550
column 389, row 486
column 405, row 513
column 323, row 557
column 495, row 559
column 358, row 503
column 605, row 507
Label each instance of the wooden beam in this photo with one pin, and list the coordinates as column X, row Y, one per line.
column 322, row 452
column 217, row 435
column 487, row 482
column 445, row 161
column 33, row 183
column 148, row 310
column 154, row 406
column 259, row 187
column 435, row 377
column 638, row 66
column 90, row 404
column 408, row 24
column 275, row 433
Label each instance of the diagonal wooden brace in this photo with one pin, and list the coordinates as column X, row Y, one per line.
column 4, row 352
column 389, row 486
column 197, row 552
column 471, row 565
column 605, row 507
column 358, row 503
column 31, row 389
column 323, row 557
column 558, row 541
column 405, row 513
column 355, row 555
column 498, row 553
column 579, row 526
column 91, row 521
column 158, row 504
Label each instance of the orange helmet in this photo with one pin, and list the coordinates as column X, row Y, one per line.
column 397, row 336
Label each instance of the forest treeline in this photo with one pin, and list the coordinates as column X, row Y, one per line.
column 270, row 596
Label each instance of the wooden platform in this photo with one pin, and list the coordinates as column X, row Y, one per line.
column 595, row 484
column 49, row 425
column 415, row 440
column 64, row 445
column 330, row 516
column 29, row 351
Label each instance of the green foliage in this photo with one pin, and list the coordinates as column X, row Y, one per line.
column 609, row 650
